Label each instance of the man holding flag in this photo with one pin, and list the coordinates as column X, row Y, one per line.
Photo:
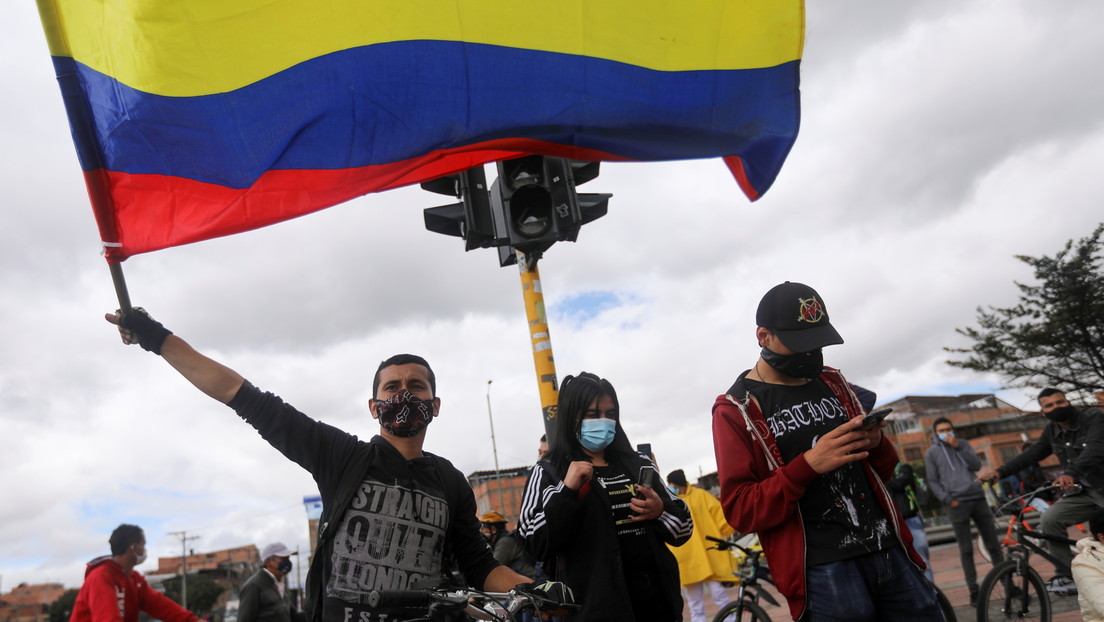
column 414, row 505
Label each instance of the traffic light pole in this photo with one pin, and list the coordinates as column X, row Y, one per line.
column 538, row 335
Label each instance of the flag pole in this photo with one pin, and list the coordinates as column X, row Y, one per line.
column 120, row 286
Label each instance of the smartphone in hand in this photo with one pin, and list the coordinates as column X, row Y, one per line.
column 643, row 478
column 875, row 417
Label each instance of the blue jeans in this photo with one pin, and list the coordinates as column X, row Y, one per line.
column 920, row 543
column 882, row 586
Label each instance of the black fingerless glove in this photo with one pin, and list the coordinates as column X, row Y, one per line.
column 150, row 333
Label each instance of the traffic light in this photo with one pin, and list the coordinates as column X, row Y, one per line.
column 471, row 219
column 538, row 201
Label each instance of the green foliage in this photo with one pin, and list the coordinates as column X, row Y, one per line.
column 61, row 608
column 202, row 592
column 1054, row 336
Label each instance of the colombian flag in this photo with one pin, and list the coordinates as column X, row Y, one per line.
column 200, row 118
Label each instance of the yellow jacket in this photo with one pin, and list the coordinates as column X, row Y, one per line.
column 695, row 560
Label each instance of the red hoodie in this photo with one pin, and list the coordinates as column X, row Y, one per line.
column 760, row 494
column 113, row 594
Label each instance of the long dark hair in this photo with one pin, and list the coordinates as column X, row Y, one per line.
column 577, row 393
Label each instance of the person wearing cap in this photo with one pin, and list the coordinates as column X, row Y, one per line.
column 701, row 564
column 262, row 596
column 508, row 548
column 113, row 591
column 390, row 509
column 796, row 467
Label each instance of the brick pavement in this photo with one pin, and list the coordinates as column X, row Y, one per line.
column 949, row 578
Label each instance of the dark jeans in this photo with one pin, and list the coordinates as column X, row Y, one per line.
column 883, row 586
column 978, row 511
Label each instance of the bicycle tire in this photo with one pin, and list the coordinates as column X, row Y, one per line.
column 945, row 606
column 741, row 611
column 999, row 602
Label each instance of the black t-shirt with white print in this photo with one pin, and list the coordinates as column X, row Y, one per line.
column 841, row 515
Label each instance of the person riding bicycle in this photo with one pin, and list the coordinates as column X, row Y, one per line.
column 391, row 511
column 797, row 467
column 1076, row 437
column 586, row 508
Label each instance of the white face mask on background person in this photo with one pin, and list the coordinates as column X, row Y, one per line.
column 141, row 557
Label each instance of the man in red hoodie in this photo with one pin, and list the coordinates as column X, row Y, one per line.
column 796, row 467
column 114, row 592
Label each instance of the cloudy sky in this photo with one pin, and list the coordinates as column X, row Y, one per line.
column 938, row 140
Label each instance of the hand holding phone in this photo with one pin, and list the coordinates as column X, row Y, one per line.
column 643, row 478
column 875, row 417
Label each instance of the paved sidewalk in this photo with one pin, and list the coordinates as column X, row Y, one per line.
column 949, row 578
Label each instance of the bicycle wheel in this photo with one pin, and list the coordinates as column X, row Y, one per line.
column 1008, row 594
column 945, row 605
column 741, row 611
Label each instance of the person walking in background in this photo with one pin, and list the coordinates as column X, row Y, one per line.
column 262, row 597
column 904, row 486
column 600, row 510
column 951, row 467
column 700, row 564
column 113, row 591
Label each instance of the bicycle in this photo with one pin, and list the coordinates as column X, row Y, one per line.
column 1038, row 505
column 745, row 607
column 1013, row 590
column 449, row 605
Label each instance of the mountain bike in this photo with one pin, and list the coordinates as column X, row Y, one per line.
column 745, row 608
column 1013, row 590
column 451, row 605
column 1032, row 507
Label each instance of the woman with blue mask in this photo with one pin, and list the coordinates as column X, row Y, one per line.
column 599, row 516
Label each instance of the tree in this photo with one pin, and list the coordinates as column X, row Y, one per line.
column 203, row 592
column 1054, row 336
column 62, row 608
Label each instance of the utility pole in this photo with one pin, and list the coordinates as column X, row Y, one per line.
column 494, row 450
column 183, row 564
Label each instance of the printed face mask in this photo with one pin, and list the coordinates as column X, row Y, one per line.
column 404, row 414
column 597, row 434
column 801, row 365
column 1058, row 415
column 284, row 566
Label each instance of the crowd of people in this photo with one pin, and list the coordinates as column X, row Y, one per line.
column 835, row 511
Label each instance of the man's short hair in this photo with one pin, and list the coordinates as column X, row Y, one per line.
column 1047, row 392
column 124, row 536
column 1096, row 522
column 404, row 359
column 935, row 424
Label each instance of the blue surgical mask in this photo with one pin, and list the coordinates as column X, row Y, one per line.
column 946, row 436
column 597, row 434
column 674, row 491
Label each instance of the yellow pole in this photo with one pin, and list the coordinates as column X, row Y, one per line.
column 538, row 333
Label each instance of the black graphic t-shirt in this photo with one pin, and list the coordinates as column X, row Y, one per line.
column 620, row 488
column 842, row 517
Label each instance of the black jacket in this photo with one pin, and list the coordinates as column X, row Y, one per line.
column 388, row 521
column 1080, row 449
column 260, row 600
column 579, row 535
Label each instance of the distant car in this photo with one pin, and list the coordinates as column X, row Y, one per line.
column 230, row 614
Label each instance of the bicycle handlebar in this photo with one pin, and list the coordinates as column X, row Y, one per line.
column 456, row 600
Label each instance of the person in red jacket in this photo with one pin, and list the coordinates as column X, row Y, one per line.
column 114, row 592
column 796, row 467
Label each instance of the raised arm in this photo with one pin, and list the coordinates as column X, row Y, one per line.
column 209, row 376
